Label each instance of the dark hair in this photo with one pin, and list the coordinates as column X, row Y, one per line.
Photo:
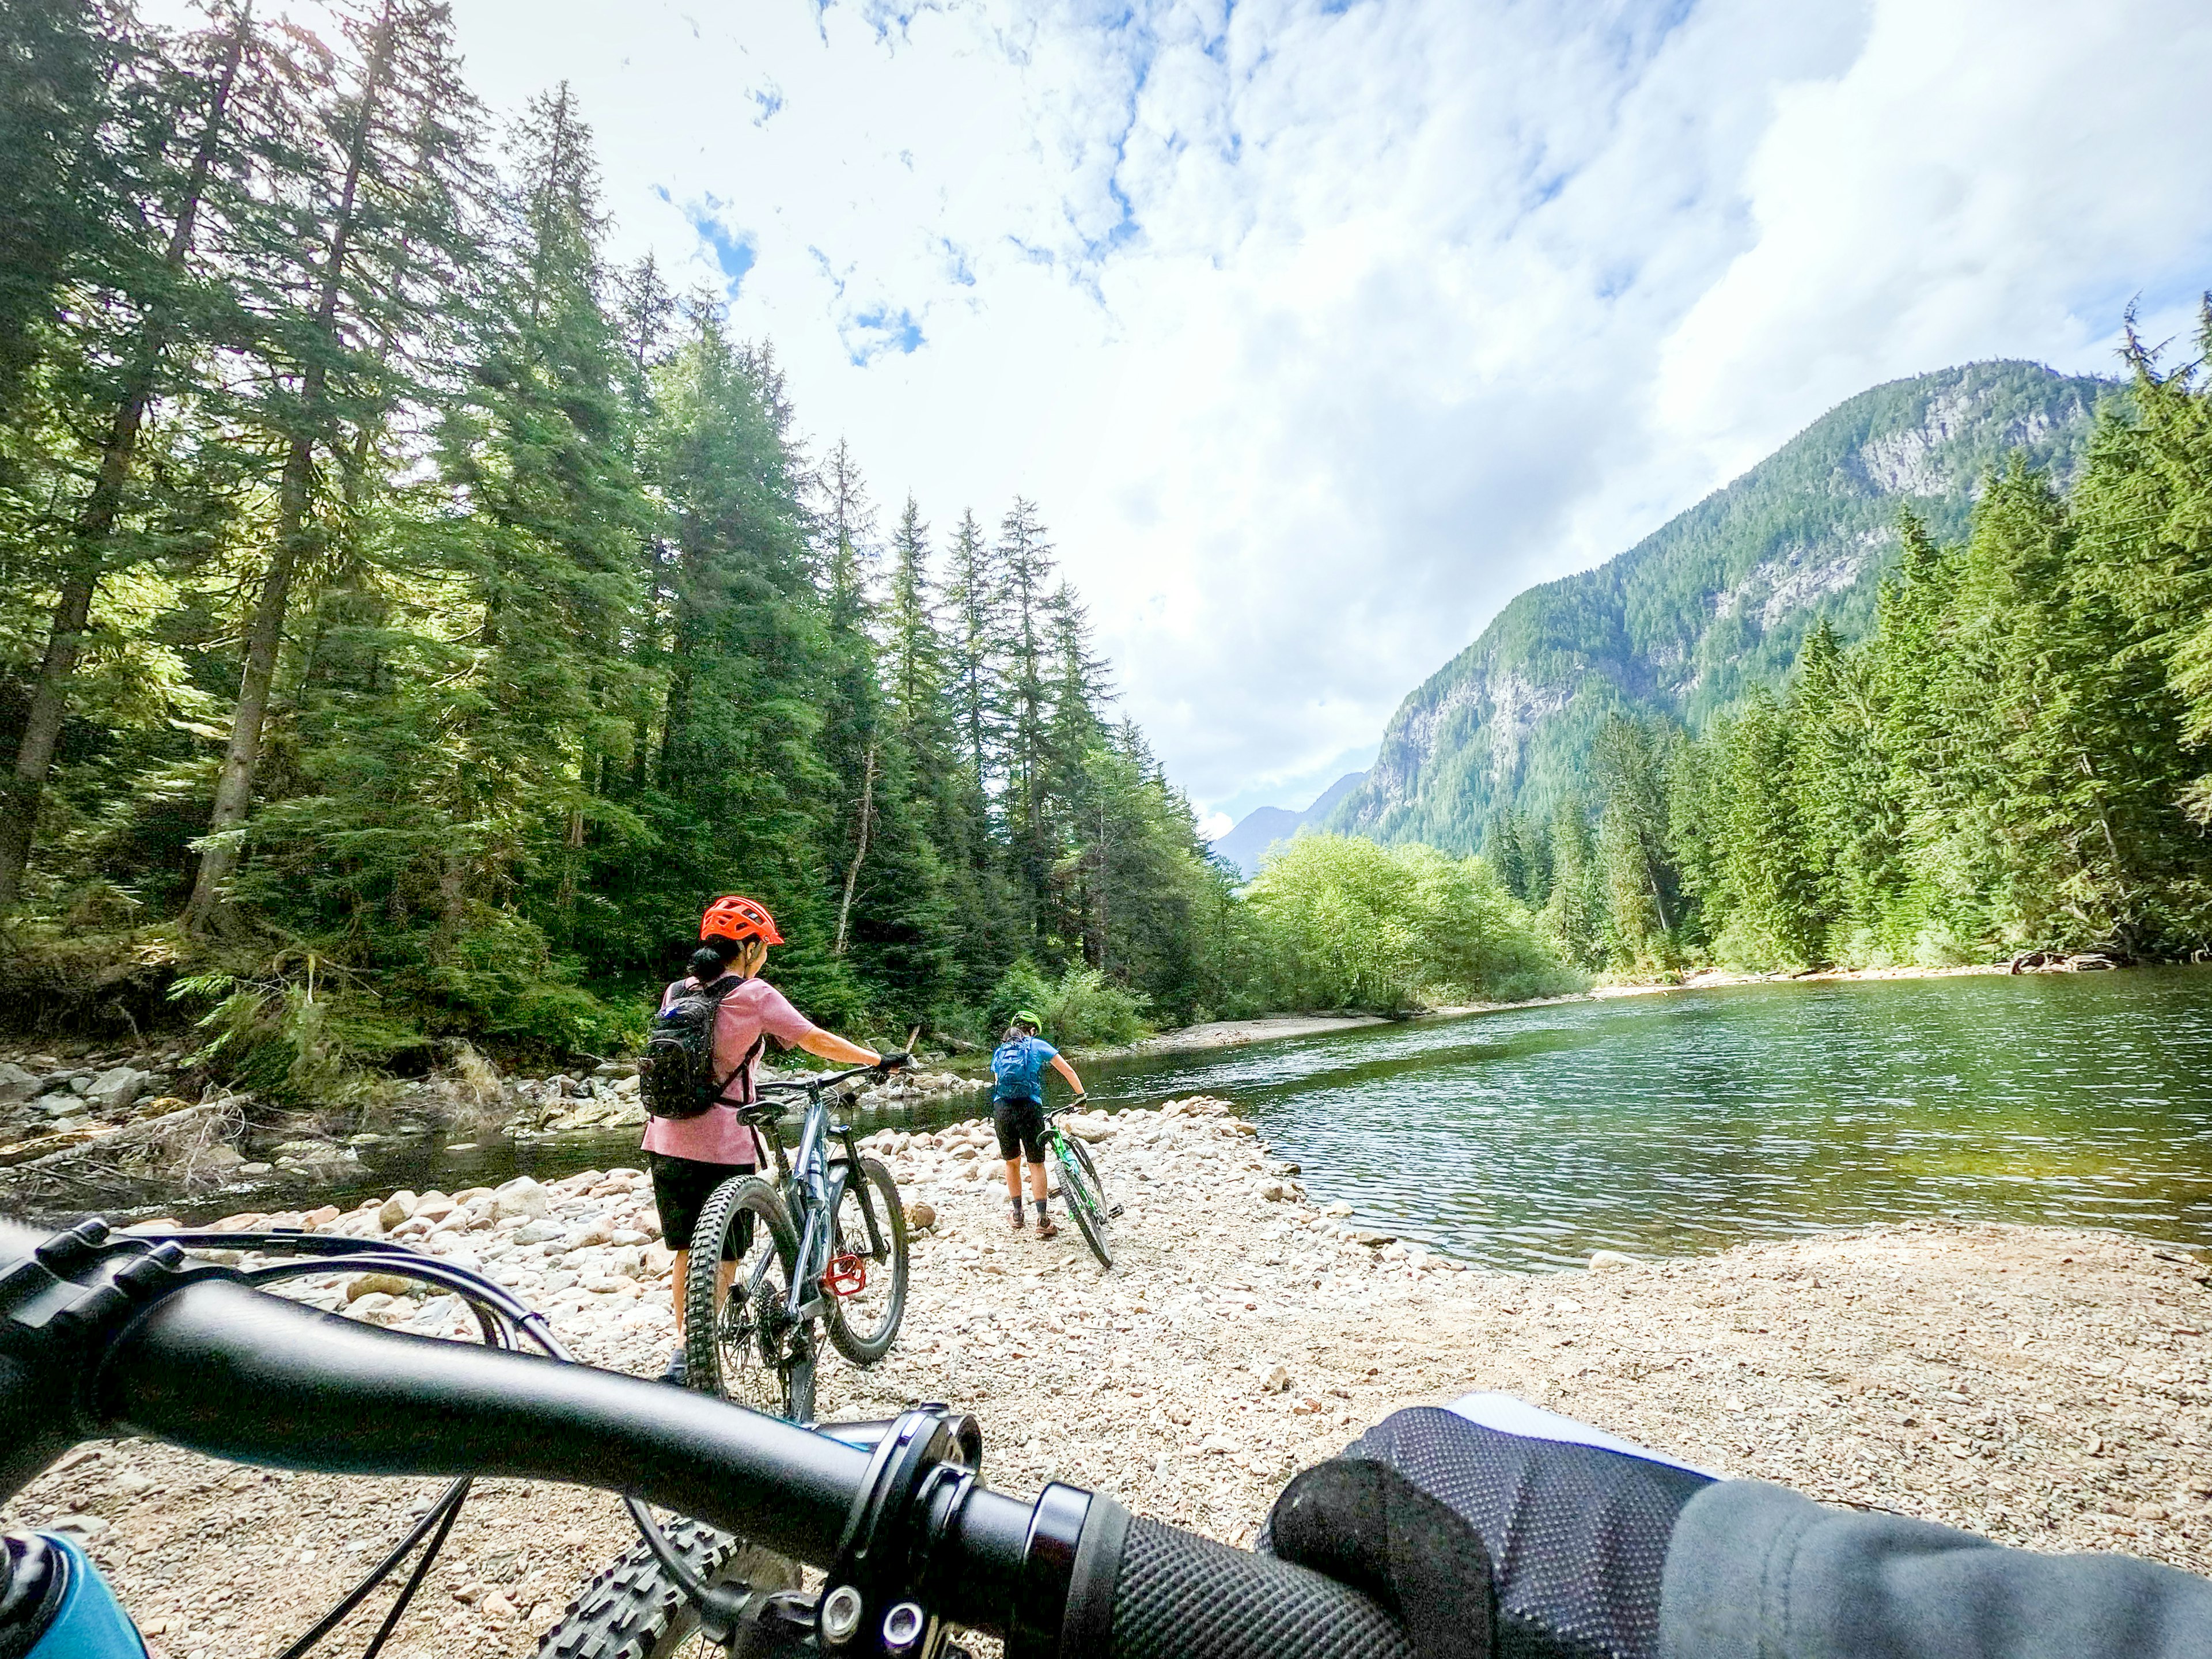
column 708, row 961
column 1018, row 1029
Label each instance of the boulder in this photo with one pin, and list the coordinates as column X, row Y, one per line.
column 64, row 1105
column 1609, row 1261
column 524, row 1197
column 920, row 1217
column 117, row 1089
column 396, row 1209
column 539, row 1233
column 378, row 1285
column 17, row 1084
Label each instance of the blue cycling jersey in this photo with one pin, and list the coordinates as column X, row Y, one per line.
column 1018, row 1065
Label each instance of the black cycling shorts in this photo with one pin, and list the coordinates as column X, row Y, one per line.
column 681, row 1188
column 1020, row 1124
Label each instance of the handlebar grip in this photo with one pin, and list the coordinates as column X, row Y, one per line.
column 1143, row 1589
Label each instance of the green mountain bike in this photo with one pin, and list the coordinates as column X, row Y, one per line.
column 1082, row 1189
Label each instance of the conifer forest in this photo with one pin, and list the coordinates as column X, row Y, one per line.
column 410, row 617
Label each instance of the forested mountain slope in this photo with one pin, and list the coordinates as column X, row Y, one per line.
column 1713, row 604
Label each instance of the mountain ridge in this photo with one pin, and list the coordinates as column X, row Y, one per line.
column 1248, row 840
column 1713, row 604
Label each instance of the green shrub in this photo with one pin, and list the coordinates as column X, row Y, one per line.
column 1357, row 924
column 1083, row 1009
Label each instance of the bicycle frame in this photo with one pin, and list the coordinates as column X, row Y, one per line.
column 1071, row 1190
column 813, row 1185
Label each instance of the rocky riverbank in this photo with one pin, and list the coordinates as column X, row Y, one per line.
column 2052, row 1389
column 94, row 1127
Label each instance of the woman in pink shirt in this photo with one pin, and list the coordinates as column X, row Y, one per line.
column 690, row 1157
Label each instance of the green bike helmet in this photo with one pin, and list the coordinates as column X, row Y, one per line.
column 1030, row 1017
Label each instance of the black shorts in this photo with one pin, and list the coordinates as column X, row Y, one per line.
column 681, row 1188
column 1020, row 1124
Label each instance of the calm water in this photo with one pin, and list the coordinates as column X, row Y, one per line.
column 1673, row 1124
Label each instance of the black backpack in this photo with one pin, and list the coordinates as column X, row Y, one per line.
column 675, row 1073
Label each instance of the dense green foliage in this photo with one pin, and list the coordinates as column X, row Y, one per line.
column 1716, row 603
column 2016, row 757
column 1350, row 923
column 409, row 620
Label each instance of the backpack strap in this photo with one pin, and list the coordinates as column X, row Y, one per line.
column 720, row 989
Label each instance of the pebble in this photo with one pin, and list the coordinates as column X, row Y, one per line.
column 2046, row 1387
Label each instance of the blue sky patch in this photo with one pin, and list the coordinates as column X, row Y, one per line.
column 868, row 334
column 736, row 251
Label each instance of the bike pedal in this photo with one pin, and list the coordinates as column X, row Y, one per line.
column 1116, row 1211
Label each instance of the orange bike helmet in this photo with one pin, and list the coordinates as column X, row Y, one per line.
column 734, row 916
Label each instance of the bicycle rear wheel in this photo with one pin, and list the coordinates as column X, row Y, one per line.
column 865, row 1322
column 631, row 1610
column 1085, row 1194
column 739, row 1341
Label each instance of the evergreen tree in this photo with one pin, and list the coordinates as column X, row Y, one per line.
column 149, row 309
column 1575, row 911
column 379, row 177
column 974, row 599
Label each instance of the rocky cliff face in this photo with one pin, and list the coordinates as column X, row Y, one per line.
column 1715, row 603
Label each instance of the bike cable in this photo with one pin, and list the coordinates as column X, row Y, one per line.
column 502, row 1317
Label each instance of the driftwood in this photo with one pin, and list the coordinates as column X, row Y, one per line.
column 190, row 1149
column 2058, row 961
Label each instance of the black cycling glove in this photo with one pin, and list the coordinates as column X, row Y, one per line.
column 898, row 1060
column 1557, row 1553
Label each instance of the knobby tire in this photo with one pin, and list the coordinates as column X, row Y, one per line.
column 633, row 1610
column 743, row 1349
column 850, row 1233
column 1083, row 1194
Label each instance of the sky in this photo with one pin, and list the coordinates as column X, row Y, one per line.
column 1317, row 329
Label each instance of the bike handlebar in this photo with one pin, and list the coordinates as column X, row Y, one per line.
column 800, row 1085
column 224, row 1369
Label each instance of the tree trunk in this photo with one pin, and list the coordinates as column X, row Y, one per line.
column 42, row 724
column 860, row 851
column 234, row 793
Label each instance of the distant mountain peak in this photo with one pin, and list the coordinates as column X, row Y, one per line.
column 1713, row 604
column 1248, row 840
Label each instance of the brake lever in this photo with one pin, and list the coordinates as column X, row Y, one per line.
column 773, row 1626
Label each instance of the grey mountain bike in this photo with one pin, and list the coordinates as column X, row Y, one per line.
column 773, row 1263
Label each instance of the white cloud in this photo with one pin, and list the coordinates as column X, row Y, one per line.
column 1319, row 330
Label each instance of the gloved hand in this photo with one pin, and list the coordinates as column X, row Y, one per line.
column 895, row 1061
column 1486, row 1542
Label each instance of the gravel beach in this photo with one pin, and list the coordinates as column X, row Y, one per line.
column 2049, row 1388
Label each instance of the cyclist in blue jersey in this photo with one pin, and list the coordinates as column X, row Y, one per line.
column 1018, row 1109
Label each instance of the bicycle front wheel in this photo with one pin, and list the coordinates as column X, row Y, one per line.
column 1084, row 1195
column 739, row 1340
column 865, row 1289
column 633, row 1610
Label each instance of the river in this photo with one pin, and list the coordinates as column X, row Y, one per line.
column 1684, row 1123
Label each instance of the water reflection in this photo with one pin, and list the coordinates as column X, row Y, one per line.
column 1695, row 1120
column 1688, row 1121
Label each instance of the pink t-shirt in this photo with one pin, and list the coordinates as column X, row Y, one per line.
column 716, row 1136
